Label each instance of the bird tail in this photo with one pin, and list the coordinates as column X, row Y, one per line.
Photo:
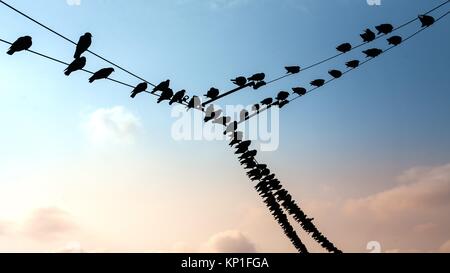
column 91, row 79
column 67, row 72
column 10, row 52
column 133, row 95
column 76, row 55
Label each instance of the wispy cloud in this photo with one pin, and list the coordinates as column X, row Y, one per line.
column 116, row 125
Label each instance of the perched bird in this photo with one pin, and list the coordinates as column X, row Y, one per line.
column 257, row 77
column 23, row 43
column 83, row 44
column 265, row 172
column 244, row 115
column 101, row 74
column 344, row 48
column 373, row 52
column 240, row 81
column 395, row 40
column 250, row 165
column 426, row 20
column 139, row 89
column 257, row 85
column 161, row 87
column 179, row 97
column 165, row 95
column 248, row 154
column 77, row 64
column 384, row 28
column 195, row 102
column 368, row 35
column 283, row 95
column 267, row 101
column 292, row 69
column 244, row 145
column 318, row 83
column 283, row 103
column 299, row 91
column 241, row 150
column 352, row 64
column 335, row 73
column 256, row 107
column 212, row 93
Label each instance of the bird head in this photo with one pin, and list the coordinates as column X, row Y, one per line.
column 88, row 34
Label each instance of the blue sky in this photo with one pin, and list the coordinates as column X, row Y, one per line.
column 354, row 135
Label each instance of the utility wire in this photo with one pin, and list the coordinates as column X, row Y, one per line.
column 84, row 70
column 329, row 58
column 71, row 41
column 343, row 73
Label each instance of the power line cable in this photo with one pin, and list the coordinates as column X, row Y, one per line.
column 343, row 73
column 71, row 41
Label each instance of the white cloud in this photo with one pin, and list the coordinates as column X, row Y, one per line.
column 231, row 241
column 115, row 124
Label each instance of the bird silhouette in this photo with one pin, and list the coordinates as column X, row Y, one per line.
column 240, row 81
column 292, row 69
column 344, row 48
column 373, row 52
column 241, row 150
column 250, row 164
column 282, row 95
column 165, row 95
column 179, row 97
column 161, row 86
column 233, row 142
column 195, row 102
column 244, row 115
column 384, row 29
column 22, row 43
column 257, row 77
column 395, row 40
column 212, row 93
column 84, row 43
column 256, row 108
column 77, row 64
column 243, row 145
column 318, row 82
column 426, row 20
column 352, row 64
column 335, row 73
column 101, row 74
column 299, row 91
column 139, row 89
column 267, row 101
column 368, row 35
column 257, row 85
column 248, row 154
column 282, row 103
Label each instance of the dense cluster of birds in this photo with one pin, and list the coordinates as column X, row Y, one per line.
column 274, row 195
column 277, row 199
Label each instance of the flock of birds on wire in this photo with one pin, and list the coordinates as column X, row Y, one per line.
column 268, row 186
